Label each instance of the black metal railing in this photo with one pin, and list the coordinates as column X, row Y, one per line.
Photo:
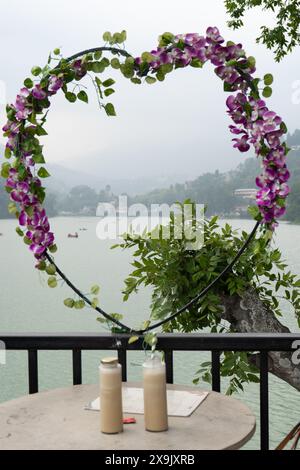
column 216, row 343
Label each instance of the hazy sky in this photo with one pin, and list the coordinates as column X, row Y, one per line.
column 177, row 127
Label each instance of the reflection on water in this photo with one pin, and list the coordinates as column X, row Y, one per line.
column 27, row 304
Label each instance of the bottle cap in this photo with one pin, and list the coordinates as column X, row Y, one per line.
column 109, row 361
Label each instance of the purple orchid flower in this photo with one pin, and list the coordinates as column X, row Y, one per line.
column 282, row 190
column 236, row 130
column 265, row 197
column 11, row 128
column 258, row 108
column 23, row 218
column 37, row 249
column 276, row 158
column 273, row 138
column 270, row 121
column 234, row 51
column 242, row 143
column 279, row 211
column 213, row 35
column 39, row 93
column 227, row 73
column 55, row 83
column 217, row 54
column 11, row 143
column 20, row 105
column 79, row 68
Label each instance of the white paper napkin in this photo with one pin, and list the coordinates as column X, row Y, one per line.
column 180, row 403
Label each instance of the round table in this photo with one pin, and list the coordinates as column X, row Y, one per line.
column 56, row 419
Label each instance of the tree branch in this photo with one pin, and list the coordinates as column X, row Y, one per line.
column 249, row 314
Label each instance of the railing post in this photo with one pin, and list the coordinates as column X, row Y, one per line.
column 33, row 385
column 215, row 371
column 122, row 357
column 77, row 366
column 264, row 401
column 169, row 366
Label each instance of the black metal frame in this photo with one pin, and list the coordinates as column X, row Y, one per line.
column 216, row 343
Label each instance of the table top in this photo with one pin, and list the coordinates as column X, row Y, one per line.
column 56, row 419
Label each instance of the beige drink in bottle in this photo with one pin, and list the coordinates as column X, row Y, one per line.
column 155, row 395
column 111, row 412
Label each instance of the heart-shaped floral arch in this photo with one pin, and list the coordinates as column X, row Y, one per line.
column 253, row 123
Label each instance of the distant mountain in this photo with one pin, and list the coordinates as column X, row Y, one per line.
column 63, row 179
column 214, row 189
column 217, row 190
column 293, row 140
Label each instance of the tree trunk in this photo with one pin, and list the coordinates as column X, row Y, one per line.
column 249, row 315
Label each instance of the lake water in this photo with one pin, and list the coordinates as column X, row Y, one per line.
column 28, row 305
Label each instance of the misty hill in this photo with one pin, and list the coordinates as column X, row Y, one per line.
column 63, row 179
column 216, row 190
column 75, row 192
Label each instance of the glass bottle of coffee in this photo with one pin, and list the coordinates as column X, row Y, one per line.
column 111, row 412
column 155, row 394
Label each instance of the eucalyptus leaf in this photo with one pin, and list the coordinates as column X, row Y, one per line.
column 52, row 282
column 267, row 92
column 69, row 302
column 268, row 79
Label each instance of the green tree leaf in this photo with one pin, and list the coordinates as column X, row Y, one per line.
column 109, row 82
column 71, row 96
column 12, row 208
column 7, row 153
column 50, row 269
column 110, row 110
column 95, row 289
column 69, row 302
column 19, row 232
column 38, row 158
column 107, row 37
column 97, row 67
column 267, row 92
column 5, row 169
column 43, row 173
column 136, row 80
column 97, row 55
column 108, row 91
column 133, row 339
column 150, row 80
column 115, row 63
column 41, row 131
column 95, row 302
column 82, row 96
column 268, row 79
column 36, row 70
column 52, row 282
column 147, row 57
column 28, row 83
